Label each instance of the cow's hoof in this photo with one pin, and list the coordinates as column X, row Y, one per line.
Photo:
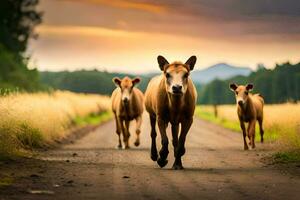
column 262, row 141
column 177, row 167
column 154, row 156
column 162, row 162
column 119, row 146
column 246, row 148
column 127, row 147
column 137, row 143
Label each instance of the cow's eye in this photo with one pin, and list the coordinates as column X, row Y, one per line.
column 246, row 92
column 236, row 93
column 168, row 75
column 185, row 75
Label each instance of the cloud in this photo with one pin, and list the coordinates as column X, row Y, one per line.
column 131, row 33
column 193, row 17
column 75, row 47
column 83, row 31
column 136, row 5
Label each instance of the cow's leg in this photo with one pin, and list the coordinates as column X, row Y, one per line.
column 154, row 154
column 138, row 130
column 127, row 134
column 121, row 123
column 175, row 129
column 242, row 124
column 118, row 131
column 261, row 129
column 180, row 150
column 251, row 132
column 163, row 153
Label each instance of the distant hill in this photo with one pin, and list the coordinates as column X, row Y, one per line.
column 220, row 71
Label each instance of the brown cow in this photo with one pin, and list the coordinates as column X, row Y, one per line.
column 127, row 105
column 171, row 97
column 249, row 109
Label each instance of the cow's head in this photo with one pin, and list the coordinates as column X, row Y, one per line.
column 176, row 74
column 126, row 85
column 241, row 92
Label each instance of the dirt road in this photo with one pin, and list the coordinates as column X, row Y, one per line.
column 216, row 167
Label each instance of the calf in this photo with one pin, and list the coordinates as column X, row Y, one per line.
column 171, row 98
column 127, row 105
column 249, row 109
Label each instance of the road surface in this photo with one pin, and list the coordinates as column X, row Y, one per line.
column 216, row 167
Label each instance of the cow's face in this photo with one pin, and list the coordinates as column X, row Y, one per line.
column 241, row 92
column 126, row 85
column 176, row 74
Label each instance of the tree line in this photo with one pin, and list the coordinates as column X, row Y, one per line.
column 92, row 81
column 277, row 85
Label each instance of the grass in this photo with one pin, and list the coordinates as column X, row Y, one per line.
column 92, row 119
column 286, row 157
column 281, row 124
column 208, row 115
column 32, row 120
column 6, row 181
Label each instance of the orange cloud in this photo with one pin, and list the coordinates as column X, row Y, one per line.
column 75, row 47
column 149, row 7
column 83, row 31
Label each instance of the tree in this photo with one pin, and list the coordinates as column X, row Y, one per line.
column 278, row 85
column 17, row 21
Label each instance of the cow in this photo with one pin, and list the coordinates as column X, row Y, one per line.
column 127, row 105
column 171, row 98
column 249, row 110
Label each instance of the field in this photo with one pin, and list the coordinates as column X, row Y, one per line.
column 35, row 120
column 281, row 122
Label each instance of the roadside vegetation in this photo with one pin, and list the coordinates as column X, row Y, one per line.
column 92, row 119
column 281, row 123
column 34, row 120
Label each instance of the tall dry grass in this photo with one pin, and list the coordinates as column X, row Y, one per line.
column 40, row 118
column 281, row 121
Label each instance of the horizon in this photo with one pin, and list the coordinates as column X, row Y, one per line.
column 103, row 69
column 132, row 33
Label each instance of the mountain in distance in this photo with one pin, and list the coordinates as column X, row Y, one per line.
column 220, row 71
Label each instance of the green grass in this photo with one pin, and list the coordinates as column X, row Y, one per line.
column 286, row 157
column 92, row 119
column 209, row 116
column 269, row 135
column 6, row 181
column 30, row 137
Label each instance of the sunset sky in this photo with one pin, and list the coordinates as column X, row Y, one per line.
column 127, row 35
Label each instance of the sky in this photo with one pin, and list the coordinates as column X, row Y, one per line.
column 128, row 35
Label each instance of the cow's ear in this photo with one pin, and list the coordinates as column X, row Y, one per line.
column 162, row 62
column 117, row 81
column 136, row 80
column 233, row 86
column 191, row 62
column 249, row 86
